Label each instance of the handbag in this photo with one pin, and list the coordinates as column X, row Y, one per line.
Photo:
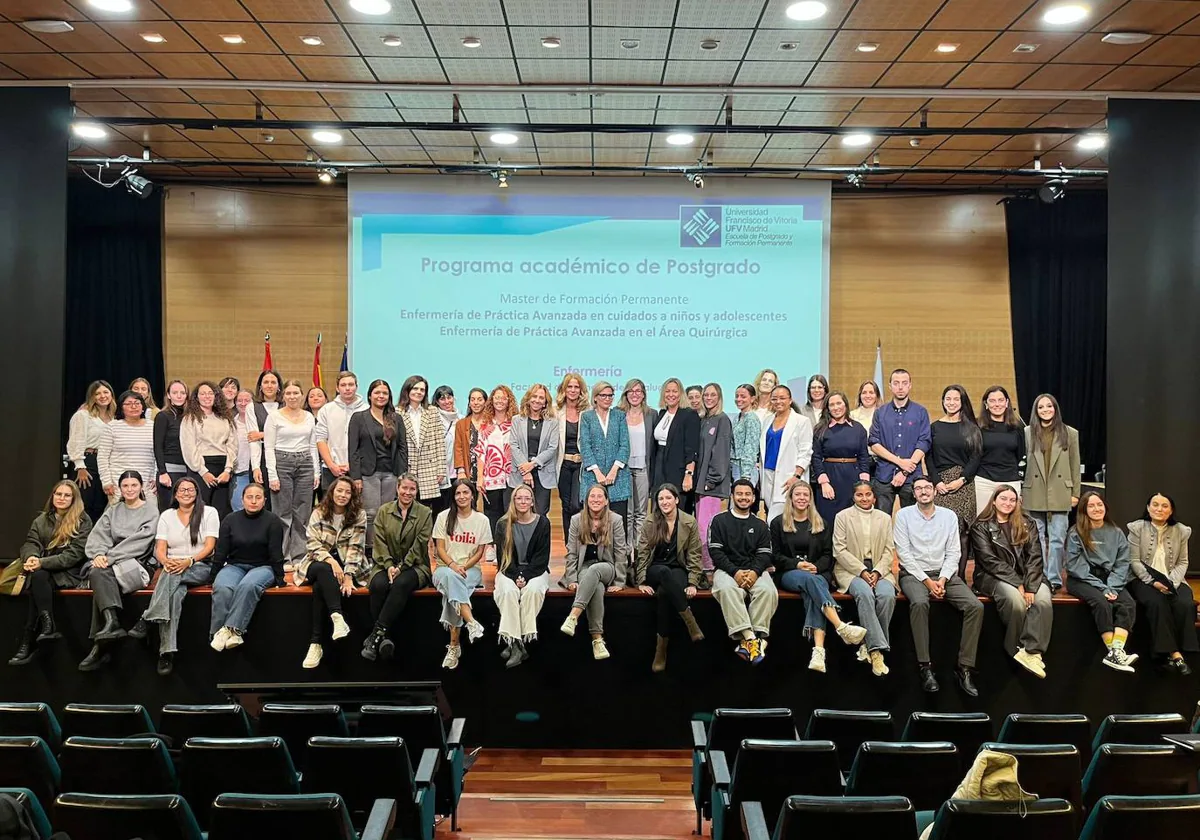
column 12, row 579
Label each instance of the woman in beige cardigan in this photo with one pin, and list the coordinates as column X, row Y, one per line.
column 864, row 554
column 1158, row 553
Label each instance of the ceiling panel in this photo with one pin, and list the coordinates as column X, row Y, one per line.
column 919, row 74
column 889, row 14
column 845, row 74
column 889, row 44
column 645, row 44
column 1158, row 16
column 803, row 44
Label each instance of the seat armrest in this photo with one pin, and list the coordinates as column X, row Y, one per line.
column 1187, row 743
column 699, row 736
column 427, row 768
column 719, row 768
column 381, row 820
column 454, row 737
column 754, row 824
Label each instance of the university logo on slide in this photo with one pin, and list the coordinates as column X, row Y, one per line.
column 700, row 227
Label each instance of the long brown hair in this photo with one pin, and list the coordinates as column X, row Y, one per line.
column 1058, row 429
column 658, row 528
column 389, row 410
column 66, row 525
column 89, row 401
column 1083, row 524
column 1018, row 528
column 826, row 417
column 452, row 511
column 966, row 416
column 489, row 410
column 220, row 407
column 815, row 523
column 196, row 517
column 548, row 411
column 1011, row 419
column 353, row 507
column 507, row 549
column 591, row 531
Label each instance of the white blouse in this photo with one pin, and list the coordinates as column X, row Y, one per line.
column 282, row 435
column 663, row 428
column 85, row 432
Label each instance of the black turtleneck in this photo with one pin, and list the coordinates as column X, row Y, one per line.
column 251, row 539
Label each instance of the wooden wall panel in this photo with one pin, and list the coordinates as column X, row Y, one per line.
column 926, row 275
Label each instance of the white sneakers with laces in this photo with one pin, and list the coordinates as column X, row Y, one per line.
column 313, row 659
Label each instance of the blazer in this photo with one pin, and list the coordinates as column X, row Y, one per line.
column 603, row 451
column 546, row 456
column 795, row 451
column 687, row 535
column 713, row 473
column 363, row 458
column 428, row 461
column 462, row 446
column 1142, row 538
column 682, row 448
column 1049, row 487
column 849, row 547
column 63, row 562
column 537, row 555
column 562, row 438
column 321, row 539
column 616, row 552
column 997, row 559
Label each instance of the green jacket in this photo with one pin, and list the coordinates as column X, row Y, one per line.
column 403, row 542
column 62, row 562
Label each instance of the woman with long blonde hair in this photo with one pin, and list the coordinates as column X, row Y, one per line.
column 572, row 400
column 141, row 385
column 85, row 432
column 534, row 443
column 596, row 550
column 523, row 552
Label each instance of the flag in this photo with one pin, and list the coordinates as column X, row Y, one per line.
column 345, row 358
column 879, row 364
column 267, row 365
column 317, row 378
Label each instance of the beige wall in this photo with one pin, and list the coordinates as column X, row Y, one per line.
column 926, row 275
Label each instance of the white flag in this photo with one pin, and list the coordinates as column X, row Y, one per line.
column 879, row 365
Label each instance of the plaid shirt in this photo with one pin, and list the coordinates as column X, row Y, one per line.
column 350, row 544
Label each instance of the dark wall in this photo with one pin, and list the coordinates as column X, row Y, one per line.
column 34, row 125
column 1153, row 304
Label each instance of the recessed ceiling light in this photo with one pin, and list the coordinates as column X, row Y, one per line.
column 89, row 131
column 630, row 43
column 371, row 7
column 946, row 48
column 1092, row 142
column 152, row 38
column 233, row 39
column 112, row 5
column 48, row 27
column 1126, row 38
column 311, row 40
column 867, row 47
column 709, row 44
column 1066, row 13
column 680, row 139
column 1025, row 48
column 789, row 46
column 391, row 40
column 324, row 135
column 551, row 43
column 503, row 138
column 806, row 10
column 471, row 42
column 854, row 140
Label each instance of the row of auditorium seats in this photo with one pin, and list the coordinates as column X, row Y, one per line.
column 895, row 817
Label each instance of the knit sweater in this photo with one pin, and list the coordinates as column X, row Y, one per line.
column 251, row 539
column 739, row 543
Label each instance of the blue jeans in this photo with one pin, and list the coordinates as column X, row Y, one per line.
column 875, row 608
column 816, row 597
column 240, row 482
column 235, row 594
column 456, row 591
column 1052, row 547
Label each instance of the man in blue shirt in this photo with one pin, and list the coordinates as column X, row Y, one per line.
column 899, row 438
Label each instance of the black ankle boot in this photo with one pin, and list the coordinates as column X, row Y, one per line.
column 26, row 649
column 46, row 631
column 95, row 660
column 370, row 651
column 140, row 630
column 112, row 626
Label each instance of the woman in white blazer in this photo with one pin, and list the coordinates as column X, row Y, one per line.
column 785, row 447
column 535, row 466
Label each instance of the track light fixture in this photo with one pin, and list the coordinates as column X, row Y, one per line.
column 134, row 183
column 696, row 179
column 854, row 179
column 327, row 175
column 1052, row 191
column 501, row 178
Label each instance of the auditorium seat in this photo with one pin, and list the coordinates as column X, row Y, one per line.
column 726, row 731
column 848, row 730
column 363, row 770
column 31, row 719
column 295, row 723
column 238, row 816
column 117, row 766
column 1050, row 771
column 1119, row 817
column 422, row 728
column 806, row 817
column 179, row 722
column 91, row 816
column 926, row 773
column 966, row 730
column 212, row 766
column 26, row 762
column 769, row 772
column 974, row 819
column 1049, row 729
column 26, row 799
column 1137, row 729
column 1138, row 770
column 106, row 721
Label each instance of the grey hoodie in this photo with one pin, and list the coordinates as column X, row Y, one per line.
column 333, row 426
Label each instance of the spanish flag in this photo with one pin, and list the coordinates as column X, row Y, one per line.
column 267, row 365
column 318, row 379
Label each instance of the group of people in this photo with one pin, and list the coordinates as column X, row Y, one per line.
column 400, row 483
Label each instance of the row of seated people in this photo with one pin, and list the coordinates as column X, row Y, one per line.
column 857, row 555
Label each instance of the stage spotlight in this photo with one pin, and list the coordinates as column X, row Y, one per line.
column 327, row 175
column 501, row 178
column 696, row 178
column 1051, row 191
column 139, row 186
column 854, row 179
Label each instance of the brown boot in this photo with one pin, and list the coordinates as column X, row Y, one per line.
column 693, row 628
column 660, row 656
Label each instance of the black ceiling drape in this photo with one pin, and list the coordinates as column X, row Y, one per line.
column 114, row 291
column 1058, row 282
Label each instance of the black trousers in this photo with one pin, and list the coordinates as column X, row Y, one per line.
column 95, row 500
column 442, row 501
column 1108, row 615
column 327, row 596
column 495, row 505
column 885, row 495
column 39, row 587
column 669, row 583
column 388, row 599
column 1172, row 618
column 218, row 494
column 541, row 499
column 568, row 492
column 166, row 495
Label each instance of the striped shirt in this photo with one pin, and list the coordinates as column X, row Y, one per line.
column 125, row 447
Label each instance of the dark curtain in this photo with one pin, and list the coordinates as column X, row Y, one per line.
column 1058, row 284
column 114, row 311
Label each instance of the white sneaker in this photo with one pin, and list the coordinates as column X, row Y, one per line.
column 568, row 626
column 474, row 630
column 599, row 649
column 234, row 640
column 862, row 654
column 817, row 662
column 1030, row 663
column 313, row 659
column 878, row 667
column 852, row 634
column 340, row 628
column 453, row 652
column 220, row 640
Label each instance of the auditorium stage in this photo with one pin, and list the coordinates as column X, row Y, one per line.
column 564, row 699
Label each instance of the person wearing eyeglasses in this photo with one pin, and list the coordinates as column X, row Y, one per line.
column 604, row 445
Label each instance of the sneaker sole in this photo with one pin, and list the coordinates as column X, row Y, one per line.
column 387, row 649
column 567, row 630
column 1117, row 667
column 820, row 670
column 336, row 635
column 855, row 638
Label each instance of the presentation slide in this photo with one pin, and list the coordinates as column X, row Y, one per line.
column 472, row 286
